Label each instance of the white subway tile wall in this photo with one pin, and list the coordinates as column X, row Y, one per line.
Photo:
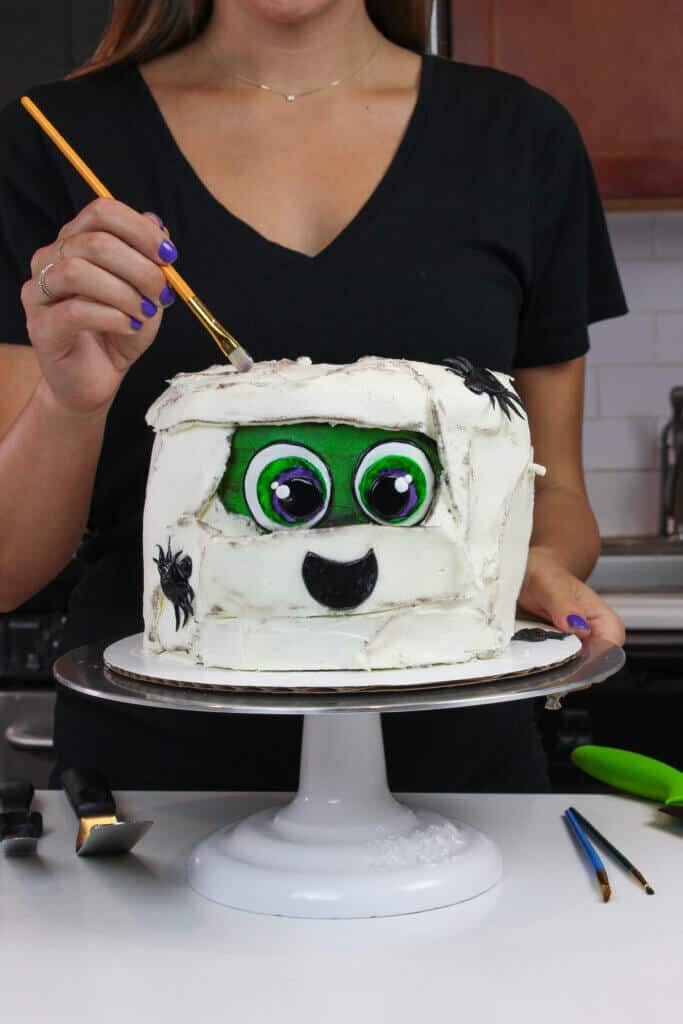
column 634, row 362
column 621, row 500
column 669, row 337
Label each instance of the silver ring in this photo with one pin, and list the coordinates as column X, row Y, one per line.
column 42, row 284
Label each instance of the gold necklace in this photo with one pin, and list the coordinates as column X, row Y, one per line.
column 291, row 96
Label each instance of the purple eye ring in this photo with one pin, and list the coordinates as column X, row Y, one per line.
column 402, row 485
column 311, row 496
column 261, row 474
column 394, row 483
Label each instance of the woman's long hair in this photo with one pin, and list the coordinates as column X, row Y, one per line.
column 142, row 29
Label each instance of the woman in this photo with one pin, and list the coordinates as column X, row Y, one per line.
column 332, row 192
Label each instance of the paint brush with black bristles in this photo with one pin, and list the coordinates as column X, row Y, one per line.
column 617, row 854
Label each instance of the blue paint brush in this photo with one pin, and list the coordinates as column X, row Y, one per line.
column 591, row 853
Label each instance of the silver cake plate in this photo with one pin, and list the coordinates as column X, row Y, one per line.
column 522, row 657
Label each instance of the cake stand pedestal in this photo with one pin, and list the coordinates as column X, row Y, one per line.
column 344, row 847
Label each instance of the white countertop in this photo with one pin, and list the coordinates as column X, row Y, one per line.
column 125, row 939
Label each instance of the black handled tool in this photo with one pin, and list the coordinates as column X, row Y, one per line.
column 100, row 830
column 20, row 828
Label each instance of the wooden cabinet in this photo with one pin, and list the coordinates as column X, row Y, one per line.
column 617, row 65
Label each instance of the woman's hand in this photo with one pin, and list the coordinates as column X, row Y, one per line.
column 108, row 293
column 552, row 593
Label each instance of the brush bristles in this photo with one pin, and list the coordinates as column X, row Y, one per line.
column 241, row 360
column 643, row 881
column 604, row 884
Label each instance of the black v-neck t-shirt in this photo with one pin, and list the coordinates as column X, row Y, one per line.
column 485, row 237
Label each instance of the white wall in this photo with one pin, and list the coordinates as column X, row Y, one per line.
column 634, row 362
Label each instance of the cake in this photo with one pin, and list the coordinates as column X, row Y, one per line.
column 310, row 516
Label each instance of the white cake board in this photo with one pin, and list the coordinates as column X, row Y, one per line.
column 128, row 657
column 344, row 847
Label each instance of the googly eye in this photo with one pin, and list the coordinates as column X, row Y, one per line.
column 394, row 483
column 287, row 485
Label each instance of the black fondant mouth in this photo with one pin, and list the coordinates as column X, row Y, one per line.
column 340, row 585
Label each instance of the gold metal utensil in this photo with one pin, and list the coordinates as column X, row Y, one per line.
column 100, row 830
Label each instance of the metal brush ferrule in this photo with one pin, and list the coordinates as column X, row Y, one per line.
column 223, row 338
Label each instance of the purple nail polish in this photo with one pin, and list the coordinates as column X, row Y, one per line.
column 167, row 251
column 167, row 297
column 576, row 622
column 148, row 307
column 155, row 217
column 135, row 324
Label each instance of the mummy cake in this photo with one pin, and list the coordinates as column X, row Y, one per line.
column 309, row 516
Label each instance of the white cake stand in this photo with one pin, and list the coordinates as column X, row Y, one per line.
column 344, row 847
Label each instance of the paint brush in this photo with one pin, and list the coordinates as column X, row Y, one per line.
column 591, row 853
column 228, row 345
column 617, row 854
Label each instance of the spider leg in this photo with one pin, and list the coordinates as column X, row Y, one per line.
column 186, row 605
column 513, row 402
column 458, row 365
column 177, row 616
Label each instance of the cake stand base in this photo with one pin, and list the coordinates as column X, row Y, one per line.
column 344, row 847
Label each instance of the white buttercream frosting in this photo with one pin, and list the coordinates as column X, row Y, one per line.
column 446, row 588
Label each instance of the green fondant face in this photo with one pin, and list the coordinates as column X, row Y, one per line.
column 310, row 474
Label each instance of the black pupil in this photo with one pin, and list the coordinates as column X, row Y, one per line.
column 304, row 498
column 385, row 500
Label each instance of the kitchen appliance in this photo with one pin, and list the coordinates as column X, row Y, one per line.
column 30, row 640
column 671, row 524
column 440, row 28
column 20, row 828
column 26, row 715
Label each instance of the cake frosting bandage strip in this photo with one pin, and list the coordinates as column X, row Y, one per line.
column 128, row 659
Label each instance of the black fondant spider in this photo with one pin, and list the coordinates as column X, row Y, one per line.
column 174, row 576
column 535, row 636
column 483, row 382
